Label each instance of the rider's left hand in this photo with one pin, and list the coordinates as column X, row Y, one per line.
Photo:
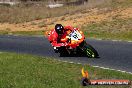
column 64, row 44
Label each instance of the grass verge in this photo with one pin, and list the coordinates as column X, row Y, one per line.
column 22, row 33
column 119, row 29
column 27, row 71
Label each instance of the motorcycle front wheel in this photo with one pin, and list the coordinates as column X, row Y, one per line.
column 90, row 51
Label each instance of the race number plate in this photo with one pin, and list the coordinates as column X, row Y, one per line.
column 75, row 35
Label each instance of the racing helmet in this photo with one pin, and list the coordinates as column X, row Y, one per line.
column 59, row 29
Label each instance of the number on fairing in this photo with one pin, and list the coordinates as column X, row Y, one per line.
column 75, row 35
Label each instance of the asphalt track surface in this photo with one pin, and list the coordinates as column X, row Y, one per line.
column 113, row 54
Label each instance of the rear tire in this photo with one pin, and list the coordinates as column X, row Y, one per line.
column 63, row 52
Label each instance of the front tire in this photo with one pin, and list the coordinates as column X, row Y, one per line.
column 90, row 51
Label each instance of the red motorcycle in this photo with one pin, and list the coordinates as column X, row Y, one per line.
column 75, row 43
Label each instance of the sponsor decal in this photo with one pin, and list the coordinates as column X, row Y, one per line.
column 87, row 81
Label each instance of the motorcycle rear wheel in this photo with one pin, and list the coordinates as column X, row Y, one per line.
column 63, row 52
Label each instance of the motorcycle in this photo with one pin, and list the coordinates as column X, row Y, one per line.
column 76, row 45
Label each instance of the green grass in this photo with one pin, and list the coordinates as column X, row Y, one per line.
column 114, row 4
column 29, row 33
column 27, row 71
column 22, row 33
column 121, row 3
column 119, row 29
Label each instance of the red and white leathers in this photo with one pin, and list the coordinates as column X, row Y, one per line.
column 60, row 40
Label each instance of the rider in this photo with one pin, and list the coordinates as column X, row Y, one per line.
column 57, row 36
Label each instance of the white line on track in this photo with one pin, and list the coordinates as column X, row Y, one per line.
column 113, row 69
column 99, row 39
column 115, row 40
column 71, row 62
column 129, row 41
column 89, row 38
column 110, row 40
column 99, row 67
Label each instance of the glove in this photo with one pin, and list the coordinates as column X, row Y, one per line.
column 64, row 44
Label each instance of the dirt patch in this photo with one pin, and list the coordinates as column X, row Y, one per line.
column 90, row 16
